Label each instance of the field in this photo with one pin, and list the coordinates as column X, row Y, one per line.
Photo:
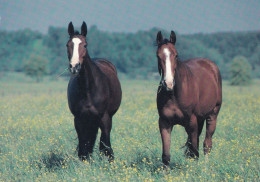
column 38, row 140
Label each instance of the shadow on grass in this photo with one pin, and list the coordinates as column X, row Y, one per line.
column 51, row 161
column 154, row 164
column 143, row 160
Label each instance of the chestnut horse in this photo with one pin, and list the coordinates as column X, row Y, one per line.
column 189, row 93
column 94, row 94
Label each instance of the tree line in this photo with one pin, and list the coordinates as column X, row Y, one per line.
column 133, row 54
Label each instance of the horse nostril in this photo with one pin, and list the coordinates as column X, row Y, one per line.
column 70, row 66
column 164, row 82
column 78, row 66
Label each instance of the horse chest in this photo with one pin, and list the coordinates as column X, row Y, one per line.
column 171, row 110
column 83, row 106
column 87, row 108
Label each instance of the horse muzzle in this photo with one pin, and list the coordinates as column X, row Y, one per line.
column 75, row 69
column 168, row 86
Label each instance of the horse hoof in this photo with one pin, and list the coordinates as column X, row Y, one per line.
column 108, row 154
column 84, row 157
column 191, row 155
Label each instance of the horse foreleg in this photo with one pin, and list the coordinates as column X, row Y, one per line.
column 105, row 145
column 87, row 133
column 165, row 130
column 210, row 129
column 192, row 142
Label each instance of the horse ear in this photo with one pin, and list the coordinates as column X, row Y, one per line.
column 173, row 37
column 159, row 38
column 71, row 29
column 84, row 29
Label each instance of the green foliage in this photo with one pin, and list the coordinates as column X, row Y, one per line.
column 240, row 71
column 36, row 67
column 38, row 140
column 55, row 42
column 231, row 44
column 15, row 47
column 133, row 54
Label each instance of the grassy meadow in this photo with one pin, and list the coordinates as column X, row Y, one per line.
column 38, row 140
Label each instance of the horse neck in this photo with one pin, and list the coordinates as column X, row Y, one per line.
column 182, row 75
column 88, row 75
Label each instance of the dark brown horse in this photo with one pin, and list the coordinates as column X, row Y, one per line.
column 189, row 93
column 94, row 94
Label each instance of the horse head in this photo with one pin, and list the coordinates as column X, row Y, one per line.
column 76, row 47
column 167, row 59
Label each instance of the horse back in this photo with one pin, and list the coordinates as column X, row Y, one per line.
column 105, row 65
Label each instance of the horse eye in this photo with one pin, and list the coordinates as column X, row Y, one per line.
column 85, row 46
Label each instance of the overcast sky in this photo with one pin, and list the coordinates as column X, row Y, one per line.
column 185, row 17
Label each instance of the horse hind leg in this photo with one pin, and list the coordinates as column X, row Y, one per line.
column 87, row 133
column 210, row 129
column 105, row 145
column 211, row 122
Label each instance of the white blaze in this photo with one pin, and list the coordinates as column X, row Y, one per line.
column 75, row 55
column 168, row 75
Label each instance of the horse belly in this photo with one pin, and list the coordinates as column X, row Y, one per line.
column 208, row 96
column 205, row 109
column 114, row 86
column 116, row 96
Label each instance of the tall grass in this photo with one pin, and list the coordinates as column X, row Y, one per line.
column 38, row 140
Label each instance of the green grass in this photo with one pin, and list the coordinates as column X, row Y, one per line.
column 38, row 140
